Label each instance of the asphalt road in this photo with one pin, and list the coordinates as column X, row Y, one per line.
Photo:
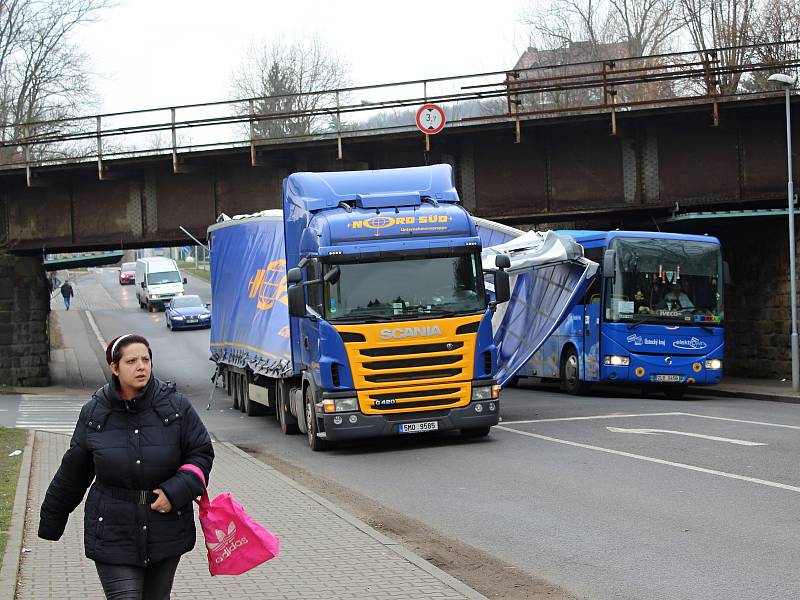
column 610, row 496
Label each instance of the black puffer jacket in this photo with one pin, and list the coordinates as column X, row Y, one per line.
column 131, row 445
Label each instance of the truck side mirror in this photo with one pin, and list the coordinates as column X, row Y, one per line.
column 502, row 261
column 184, row 280
column 332, row 276
column 609, row 263
column 294, row 275
column 297, row 301
column 144, row 285
column 502, row 286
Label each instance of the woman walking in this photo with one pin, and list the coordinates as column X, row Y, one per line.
column 131, row 438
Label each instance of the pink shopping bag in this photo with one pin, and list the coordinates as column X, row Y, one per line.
column 235, row 542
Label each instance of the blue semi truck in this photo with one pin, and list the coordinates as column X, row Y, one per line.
column 365, row 306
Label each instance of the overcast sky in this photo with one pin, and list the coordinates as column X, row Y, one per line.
column 165, row 52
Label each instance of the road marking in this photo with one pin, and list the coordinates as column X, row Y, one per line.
column 614, row 416
column 686, row 433
column 96, row 330
column 48, row 413
column 742, row 421
column 659, row 461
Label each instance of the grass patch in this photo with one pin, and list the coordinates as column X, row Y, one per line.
column 10, row 440
column 191, row 268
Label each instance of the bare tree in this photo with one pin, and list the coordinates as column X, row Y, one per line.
column 43, row 75
column 777, row 21
column 292, row 83
column 726, row 24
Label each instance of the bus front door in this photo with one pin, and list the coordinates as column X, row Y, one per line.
column 591, row 342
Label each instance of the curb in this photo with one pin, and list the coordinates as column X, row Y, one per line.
column 10, row 568
column 387, row 542
column 722, row 393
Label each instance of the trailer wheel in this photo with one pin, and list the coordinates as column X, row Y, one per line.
column 286, row 420
column 316, row 443
column 235, row 390
column 570, row 374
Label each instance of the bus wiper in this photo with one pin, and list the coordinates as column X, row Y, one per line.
column 640, row 322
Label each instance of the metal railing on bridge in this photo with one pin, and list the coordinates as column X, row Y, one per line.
column 514, row 96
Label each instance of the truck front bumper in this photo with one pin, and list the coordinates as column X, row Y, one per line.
column 366, row 426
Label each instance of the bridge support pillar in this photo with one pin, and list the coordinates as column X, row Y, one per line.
column 24, row 308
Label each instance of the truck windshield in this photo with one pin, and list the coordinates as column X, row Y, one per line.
column 665, row 281
column 406, row 289
column 165, row 277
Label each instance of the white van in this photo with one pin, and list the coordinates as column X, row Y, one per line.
column 157, row 281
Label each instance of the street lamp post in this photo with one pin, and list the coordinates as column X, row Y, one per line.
column 788, row 81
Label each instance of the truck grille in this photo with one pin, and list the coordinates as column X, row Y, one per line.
column 394, row 376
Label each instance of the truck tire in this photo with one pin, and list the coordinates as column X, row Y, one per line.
column 286, row 420
column 570, row 374
column 317, row 444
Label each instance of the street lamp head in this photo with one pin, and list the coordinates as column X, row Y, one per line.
column 783, row 79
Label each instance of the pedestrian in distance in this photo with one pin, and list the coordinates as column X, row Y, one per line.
column 131, row 438
column 67, row 292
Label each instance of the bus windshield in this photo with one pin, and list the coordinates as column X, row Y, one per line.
column 406, row 289
column 669, row 281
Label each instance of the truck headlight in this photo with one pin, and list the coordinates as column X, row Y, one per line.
column 713, row 364
column 486, row 392
column 615, row 360
column 334, row 405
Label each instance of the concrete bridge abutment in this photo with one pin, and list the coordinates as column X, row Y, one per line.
column 24, row 309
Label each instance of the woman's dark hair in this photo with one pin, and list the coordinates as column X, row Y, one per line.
column 116, row 346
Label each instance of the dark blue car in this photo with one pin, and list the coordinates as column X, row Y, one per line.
column 187, row 312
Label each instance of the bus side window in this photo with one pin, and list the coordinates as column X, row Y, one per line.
column 592, row 295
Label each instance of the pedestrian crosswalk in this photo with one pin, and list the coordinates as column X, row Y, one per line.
column 56, row 414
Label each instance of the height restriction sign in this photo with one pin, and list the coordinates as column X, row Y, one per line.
column 430, row 119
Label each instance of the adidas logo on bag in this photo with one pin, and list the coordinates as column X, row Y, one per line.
column 225, row 545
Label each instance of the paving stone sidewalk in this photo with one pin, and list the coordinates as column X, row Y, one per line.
column 325, row 554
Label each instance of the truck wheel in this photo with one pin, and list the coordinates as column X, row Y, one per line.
column 286, row 420
column 317, row 444
column 570, row 374
column 476, row 432
column 513, row 382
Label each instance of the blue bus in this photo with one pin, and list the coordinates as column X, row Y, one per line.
column 653, row 316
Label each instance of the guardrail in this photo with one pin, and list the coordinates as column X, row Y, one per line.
column 514, row 96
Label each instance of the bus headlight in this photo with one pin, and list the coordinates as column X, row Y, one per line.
column 614, row 360
column 334, row 405
column 713, row 364
column 486, row 392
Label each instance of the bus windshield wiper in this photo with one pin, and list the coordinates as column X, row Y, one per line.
column 640, row 322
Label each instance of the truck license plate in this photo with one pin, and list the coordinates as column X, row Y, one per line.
column 669, row 378
column 419, row 427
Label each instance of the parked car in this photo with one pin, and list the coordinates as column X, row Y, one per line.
column 187, row 312
column 127, row 273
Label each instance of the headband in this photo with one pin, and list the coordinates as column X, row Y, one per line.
column 117, row 341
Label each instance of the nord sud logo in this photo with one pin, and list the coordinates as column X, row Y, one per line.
column 225, row 544
column 691, row 344
column 268, row 285
column 405, row 332
column 382, row 222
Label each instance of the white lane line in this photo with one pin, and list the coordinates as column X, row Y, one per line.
column 686, row 433
column 659, row 461
column 742, row 421
column 614, row 416
column 96, row 330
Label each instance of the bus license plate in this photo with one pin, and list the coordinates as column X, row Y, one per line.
column 669, row 378
column 419, row 427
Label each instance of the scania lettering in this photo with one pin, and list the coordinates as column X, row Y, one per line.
column 654, row 318
column 387, row 334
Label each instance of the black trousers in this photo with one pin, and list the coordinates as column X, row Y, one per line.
column 124, row 582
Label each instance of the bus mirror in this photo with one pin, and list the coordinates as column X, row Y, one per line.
column 502, row 261
column 297, row 301
column 294, row 275
column 726, row 273
column 332, row 276
column 609, row 263
column 502, row 287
